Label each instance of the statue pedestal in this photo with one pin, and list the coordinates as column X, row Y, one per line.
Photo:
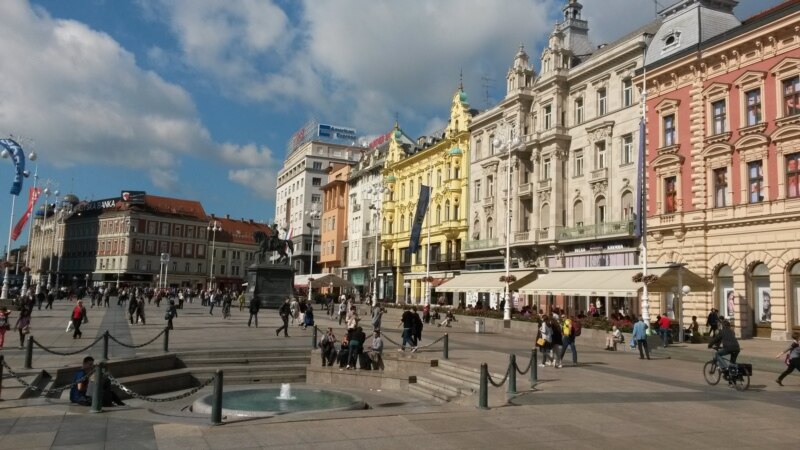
column 271, row 284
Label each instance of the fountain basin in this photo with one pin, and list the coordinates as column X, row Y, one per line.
column 265, row 402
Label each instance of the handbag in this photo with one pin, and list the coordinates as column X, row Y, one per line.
column 69, row 326
column 540, row 342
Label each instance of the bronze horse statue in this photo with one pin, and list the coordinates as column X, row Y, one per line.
column 273, row 243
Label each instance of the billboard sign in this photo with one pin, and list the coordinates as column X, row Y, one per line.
column 336, row 132
column 133, row 197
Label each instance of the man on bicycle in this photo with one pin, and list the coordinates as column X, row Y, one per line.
column 730, row 345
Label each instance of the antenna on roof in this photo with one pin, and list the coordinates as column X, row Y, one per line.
column 657, row 6
column 486, row 82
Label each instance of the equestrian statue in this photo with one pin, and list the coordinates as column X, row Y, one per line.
column 273, row 243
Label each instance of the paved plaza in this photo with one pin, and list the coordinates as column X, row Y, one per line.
column 610, row 400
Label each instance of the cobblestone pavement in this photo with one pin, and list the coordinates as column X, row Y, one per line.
column 610, row 400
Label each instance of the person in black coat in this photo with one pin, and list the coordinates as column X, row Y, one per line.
column 416, row 329
column 284, row 312
column 255, row 306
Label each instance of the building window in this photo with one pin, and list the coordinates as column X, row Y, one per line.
column 447, row 210
column 315, row 198
column 627, row 149
column 627, row 92
column 627, row 206
column 718, row 117
column 477, row 190
column 601, row 102
column 669, row 130
column 791, row 96
column 490, row 186
column 316, row 181
column 577, row 214
column 601, row 210
column 578, row 111
column 755, row 181
column 753, row 106
column 792, row 175
column 579, row 164
column 317, row 165
column 600, row 148
column 720, row 187
column 548, row 113
column 670, row 195
column 489, row 228
column 546, row 169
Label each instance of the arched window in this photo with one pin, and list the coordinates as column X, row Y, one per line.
column 476, row 231
column 402, row 223
column 762, row 300
column 455, row 212
column 577, row 214
column 489, row 228
column 725, row 294
column 794, row 296
column 600, row 210
column 402, row 191
column 447, row 210
column 627, row 205
column 544, row 217
column 438, row 214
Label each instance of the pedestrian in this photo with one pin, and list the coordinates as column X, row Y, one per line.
column 356, row 346
column 5, row 315
column 407, row 322
column 570, row 331
column 639, row 337
column 547, row 341
column 241, row 301
column 792, row 358
column 23, row 325
column 139, row 310
column 327, row 347
column 171, row 313
column 376, row 350
column 377, row 317
column 342, row 310
column 416, row 331
column 50, row 299
column 132, row 306
column 211, row 299
column 294, row 310
column 558, row 343
column 308, row 319
column 255, row 305
column 78, row 318
column 712, row 322
column 426, row 313
column 284, row 312
column 663, row 329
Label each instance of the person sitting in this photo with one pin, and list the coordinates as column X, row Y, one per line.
column 327, row 347
column 613, row 338
column 79, row 393
column 344, row 352
column 376, row 351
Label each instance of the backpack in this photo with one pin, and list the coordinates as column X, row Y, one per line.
column 576, row 328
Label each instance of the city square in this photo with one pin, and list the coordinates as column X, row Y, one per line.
column 348, row 224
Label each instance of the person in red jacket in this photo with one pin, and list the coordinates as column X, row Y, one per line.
column 78, row 316
column 663, row 328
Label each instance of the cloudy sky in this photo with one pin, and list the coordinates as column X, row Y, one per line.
column 197, row 98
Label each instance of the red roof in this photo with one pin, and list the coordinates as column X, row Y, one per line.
column 175, row 207
column 769, row 11
column 239, row 231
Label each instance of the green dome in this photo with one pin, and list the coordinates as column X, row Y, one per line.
column 463, row 97
column 398, row 134
column 391, row 179
column 456, row 151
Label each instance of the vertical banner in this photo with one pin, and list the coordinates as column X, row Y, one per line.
column 419, row 217
column 33, row 197
column 641, row 186
column 18, row 157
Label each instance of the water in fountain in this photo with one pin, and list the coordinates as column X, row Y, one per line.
column 286, row 392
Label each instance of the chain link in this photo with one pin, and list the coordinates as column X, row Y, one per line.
column 500, row 384
column 33, row 388
column 140, row 345
column 67, row 353
column 125, row 389
column 418, row 347
column 527, row 369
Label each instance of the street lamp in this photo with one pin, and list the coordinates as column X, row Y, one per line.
column 123, row 251
column 313, row 214
column 65, row 210
column 27, row 273
column 376, row 195
column 213, row 227
column 42, row 227
column 53, row 247
column 509, row 144
column 19, row 161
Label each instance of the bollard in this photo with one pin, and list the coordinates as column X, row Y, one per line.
column 166, row 339
column 29, row 352
column 216, row 401
column 1, row 375
column 534, row 375
column 512, row 374
column 105, row 345
column 483, row 393
column 446, row 349
column 97, row 396
column 314, row 338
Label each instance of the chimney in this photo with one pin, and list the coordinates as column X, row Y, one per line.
column 228, row 216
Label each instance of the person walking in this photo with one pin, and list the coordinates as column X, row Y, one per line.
column 255, row 305
column 640, row 338
column 547, row 338
column 377, row 317
column 241, row 301
column 139, row 310
column 172, row 312
column 570, row 332
column 23, row 325
column 211, row 300
column 416, row 330
column 663, row 329
column 284, row 312
column 50, row 299
column 78, row 317
column 793, row 358
column 712, row 322
column 356, row 347
column 407, row 322
column 342, row 310
column 133, row 305
column 5, row 315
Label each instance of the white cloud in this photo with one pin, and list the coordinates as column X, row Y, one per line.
column 260, row 181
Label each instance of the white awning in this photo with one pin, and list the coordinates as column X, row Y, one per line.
column 484, row 281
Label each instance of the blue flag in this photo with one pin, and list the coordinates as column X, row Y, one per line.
column 18, row 157
column 419, row 217
column 640, row 221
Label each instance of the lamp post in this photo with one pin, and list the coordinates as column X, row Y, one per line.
column 509, row 144
column 375, row 193
column 123, row 252
column 313, row 214
column 213, row 227
column 19, row 163
column 27, row 273
column 64, row 211
column 53, row 247
column 42, row 227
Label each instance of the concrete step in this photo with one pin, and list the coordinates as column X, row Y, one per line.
column 430, row 393
column 241, row 360
column 439, row 384
column 214, row 354
column 264, row 379
column 466, row 376
column 207, row 371
column 159, row 382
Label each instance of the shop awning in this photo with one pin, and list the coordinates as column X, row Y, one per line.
column 612, row 282
column 330, row 280
column 301, row 281
column 485, row 281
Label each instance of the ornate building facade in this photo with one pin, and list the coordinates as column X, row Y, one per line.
column 723, row 153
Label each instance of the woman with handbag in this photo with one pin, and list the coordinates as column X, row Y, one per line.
column 23, row 325
column 78, row 316
column 546, row 341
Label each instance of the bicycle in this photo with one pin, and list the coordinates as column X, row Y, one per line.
column 735, row 374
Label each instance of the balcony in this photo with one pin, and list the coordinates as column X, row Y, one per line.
column 488, row 201
column 385, row 264
column 525, row 189
column 545, row 184
column 624, row 228
column 481, row 244
column 524, row 236
column 446, row 262
column 356, row 207
column 599, row 175
column 454, row 185
column 543, row 234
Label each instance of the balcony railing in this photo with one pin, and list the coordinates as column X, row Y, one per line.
column 488, row 200
column 481, row 244
column 524, row 236
column 544, row 184
column 600, row 174
column 385, row 264
column 525, row 189
column 624, row 227
column 543, row 234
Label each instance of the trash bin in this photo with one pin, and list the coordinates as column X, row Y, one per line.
column 480, row 326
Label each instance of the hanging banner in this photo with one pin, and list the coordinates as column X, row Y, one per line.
column 419, row 217
column 33, row 197
column 18, row 157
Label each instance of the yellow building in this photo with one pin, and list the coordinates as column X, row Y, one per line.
column 440, row 161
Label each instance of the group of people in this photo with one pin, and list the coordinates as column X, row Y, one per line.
column 350, row 353
column 556, row 334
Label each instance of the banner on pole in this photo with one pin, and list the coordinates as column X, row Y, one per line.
column 18, row 157
column 419, row 217
column 32, row 198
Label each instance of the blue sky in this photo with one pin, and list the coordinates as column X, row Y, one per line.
column 197, row 98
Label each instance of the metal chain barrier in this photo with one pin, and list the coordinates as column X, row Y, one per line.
column 390, row 340
column 137, row 346
column 67, row 353
column 434, row 342
column 501, row 383
column 57, row 390
column 125, row 389
column 527, row 369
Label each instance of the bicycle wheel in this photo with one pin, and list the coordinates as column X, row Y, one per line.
column 710, row 373
column 742, row 382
